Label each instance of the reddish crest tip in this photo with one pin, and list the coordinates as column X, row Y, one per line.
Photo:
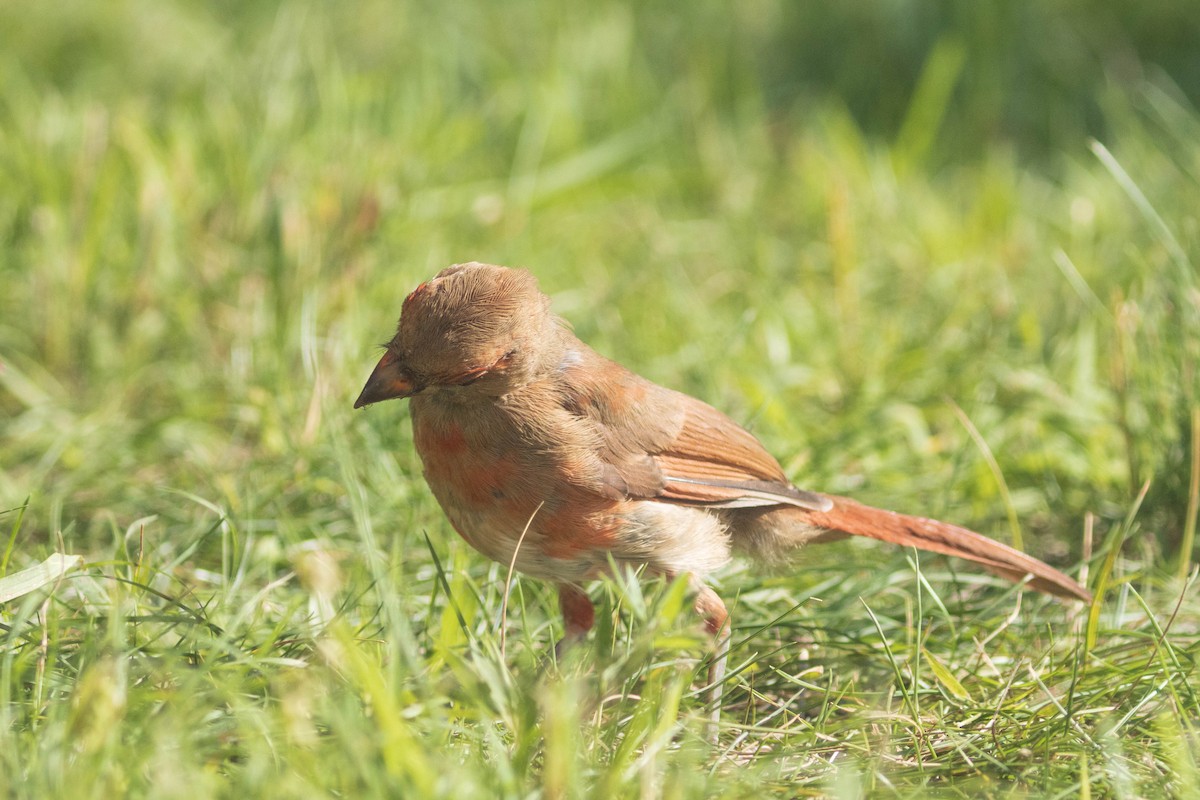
column 420, row 290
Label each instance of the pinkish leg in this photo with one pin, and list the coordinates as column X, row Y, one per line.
column 712, row 610
column 578, row 615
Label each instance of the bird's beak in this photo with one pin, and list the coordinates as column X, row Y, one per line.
column 387, row 382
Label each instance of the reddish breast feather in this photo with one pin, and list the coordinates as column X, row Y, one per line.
column 473, row 477
column 442, row 442
column 491, row 495
column 579, row 526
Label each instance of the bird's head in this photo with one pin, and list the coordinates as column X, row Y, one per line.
column 473, row 325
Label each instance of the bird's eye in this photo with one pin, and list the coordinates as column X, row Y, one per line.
column 503, row 361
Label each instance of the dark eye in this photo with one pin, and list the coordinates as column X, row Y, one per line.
column 472, row 378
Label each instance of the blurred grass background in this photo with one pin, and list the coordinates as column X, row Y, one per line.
column 849, row 226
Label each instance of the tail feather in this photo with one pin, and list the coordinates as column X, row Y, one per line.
column 941, row 537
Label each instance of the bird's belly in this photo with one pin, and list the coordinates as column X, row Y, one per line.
column 524, row 546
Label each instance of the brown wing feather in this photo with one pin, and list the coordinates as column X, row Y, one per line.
column 710, row 445
column 714, row 461
column 658, row 443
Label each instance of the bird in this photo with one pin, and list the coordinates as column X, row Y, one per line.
column 554, row 460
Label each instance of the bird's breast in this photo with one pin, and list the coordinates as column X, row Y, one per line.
column 512, row 500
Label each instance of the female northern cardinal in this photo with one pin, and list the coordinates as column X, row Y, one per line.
column 546, row 455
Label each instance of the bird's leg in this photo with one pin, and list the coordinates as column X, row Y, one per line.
column 712, row 610
column 578, row 616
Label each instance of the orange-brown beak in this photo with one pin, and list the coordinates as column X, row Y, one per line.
column 388, row 381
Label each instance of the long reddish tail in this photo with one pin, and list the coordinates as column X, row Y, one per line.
column 941, row 537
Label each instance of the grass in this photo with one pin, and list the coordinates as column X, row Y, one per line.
column 210, row 215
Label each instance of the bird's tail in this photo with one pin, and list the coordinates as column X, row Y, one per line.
column 854, row 518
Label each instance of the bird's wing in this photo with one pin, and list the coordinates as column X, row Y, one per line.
column 662, row 444
column 713, row 461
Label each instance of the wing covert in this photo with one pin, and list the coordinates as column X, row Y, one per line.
column 661, row 444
